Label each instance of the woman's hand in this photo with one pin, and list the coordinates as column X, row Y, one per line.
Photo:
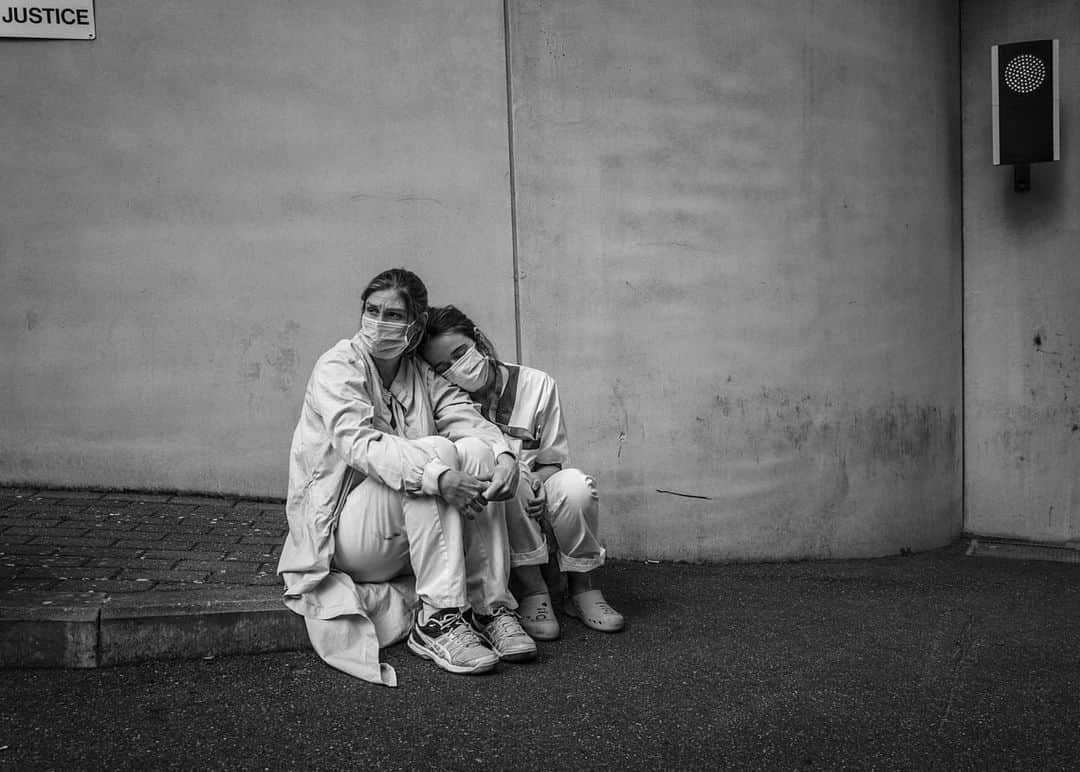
column 536, row 503
column 463, row 492
column 504, row 481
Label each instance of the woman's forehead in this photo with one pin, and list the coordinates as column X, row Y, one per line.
column 387, row 299
column 441, row 346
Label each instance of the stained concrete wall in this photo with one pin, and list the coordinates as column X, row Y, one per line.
column 739, row 235
column 738, row 242
column 191, row 204
column 1021, row 284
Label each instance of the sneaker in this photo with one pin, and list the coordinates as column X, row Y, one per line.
column 448, row 641
column 538, row 617
column 591, row 608
column 502, row 631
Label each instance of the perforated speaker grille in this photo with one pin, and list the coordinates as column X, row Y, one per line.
column 1025, row 73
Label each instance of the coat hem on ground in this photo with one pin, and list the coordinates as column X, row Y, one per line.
column 348, row 622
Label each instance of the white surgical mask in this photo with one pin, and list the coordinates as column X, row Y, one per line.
column 384, row 340
column 470, row 372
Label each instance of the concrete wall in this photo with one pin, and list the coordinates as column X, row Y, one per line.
column 191, row 204
column 738, row 240
column 739, row 232
column 1021, row 287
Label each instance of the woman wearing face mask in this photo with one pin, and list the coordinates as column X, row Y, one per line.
column 391, row 470
column 524, row 403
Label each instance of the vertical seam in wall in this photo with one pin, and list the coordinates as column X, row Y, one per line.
column 513, row 175
column 963, row 261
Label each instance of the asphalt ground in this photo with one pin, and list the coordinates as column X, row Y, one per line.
column 931, row 661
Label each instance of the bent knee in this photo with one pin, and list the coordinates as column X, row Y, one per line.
column 573, row 487
column 476, row 457
column 444, row 450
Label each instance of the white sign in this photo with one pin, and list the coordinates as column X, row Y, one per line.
column 67, row 19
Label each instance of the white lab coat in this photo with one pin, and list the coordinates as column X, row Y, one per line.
column 351, row 428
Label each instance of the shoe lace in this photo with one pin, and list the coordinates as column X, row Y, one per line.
column 504, row 625
column 456, row 634
column 444, row 621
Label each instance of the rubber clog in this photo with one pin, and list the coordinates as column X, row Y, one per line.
column 595, row 612
column 538, row 617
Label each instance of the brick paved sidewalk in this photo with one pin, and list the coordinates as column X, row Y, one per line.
column 91, row 557
column 84, row 543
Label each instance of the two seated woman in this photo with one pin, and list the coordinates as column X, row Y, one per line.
column 404, row 505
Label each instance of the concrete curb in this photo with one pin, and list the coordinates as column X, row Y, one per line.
column 125, row 629
column 97, row 578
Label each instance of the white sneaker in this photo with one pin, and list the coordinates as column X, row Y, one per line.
column 502, row 631
column 451, row 643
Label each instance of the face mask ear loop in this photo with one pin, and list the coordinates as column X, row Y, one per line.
column 413, row 343
column 420, row 319
column 483, row 345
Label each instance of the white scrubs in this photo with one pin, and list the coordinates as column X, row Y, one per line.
column 457, row 561
column 529, row 414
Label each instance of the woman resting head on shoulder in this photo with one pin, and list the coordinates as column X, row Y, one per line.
column 391, row 470
column 552, row 498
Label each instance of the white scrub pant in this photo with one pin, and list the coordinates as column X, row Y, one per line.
column 458, row 562
column 573, row 513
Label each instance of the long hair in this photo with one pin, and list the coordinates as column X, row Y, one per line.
column 444, row 319
column 409, row 288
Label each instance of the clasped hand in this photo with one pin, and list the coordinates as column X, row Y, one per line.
column 469, row 495
column 504, row 481
column 463, row 492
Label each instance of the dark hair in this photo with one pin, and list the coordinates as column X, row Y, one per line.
column 409, row 288
column 444, row 319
